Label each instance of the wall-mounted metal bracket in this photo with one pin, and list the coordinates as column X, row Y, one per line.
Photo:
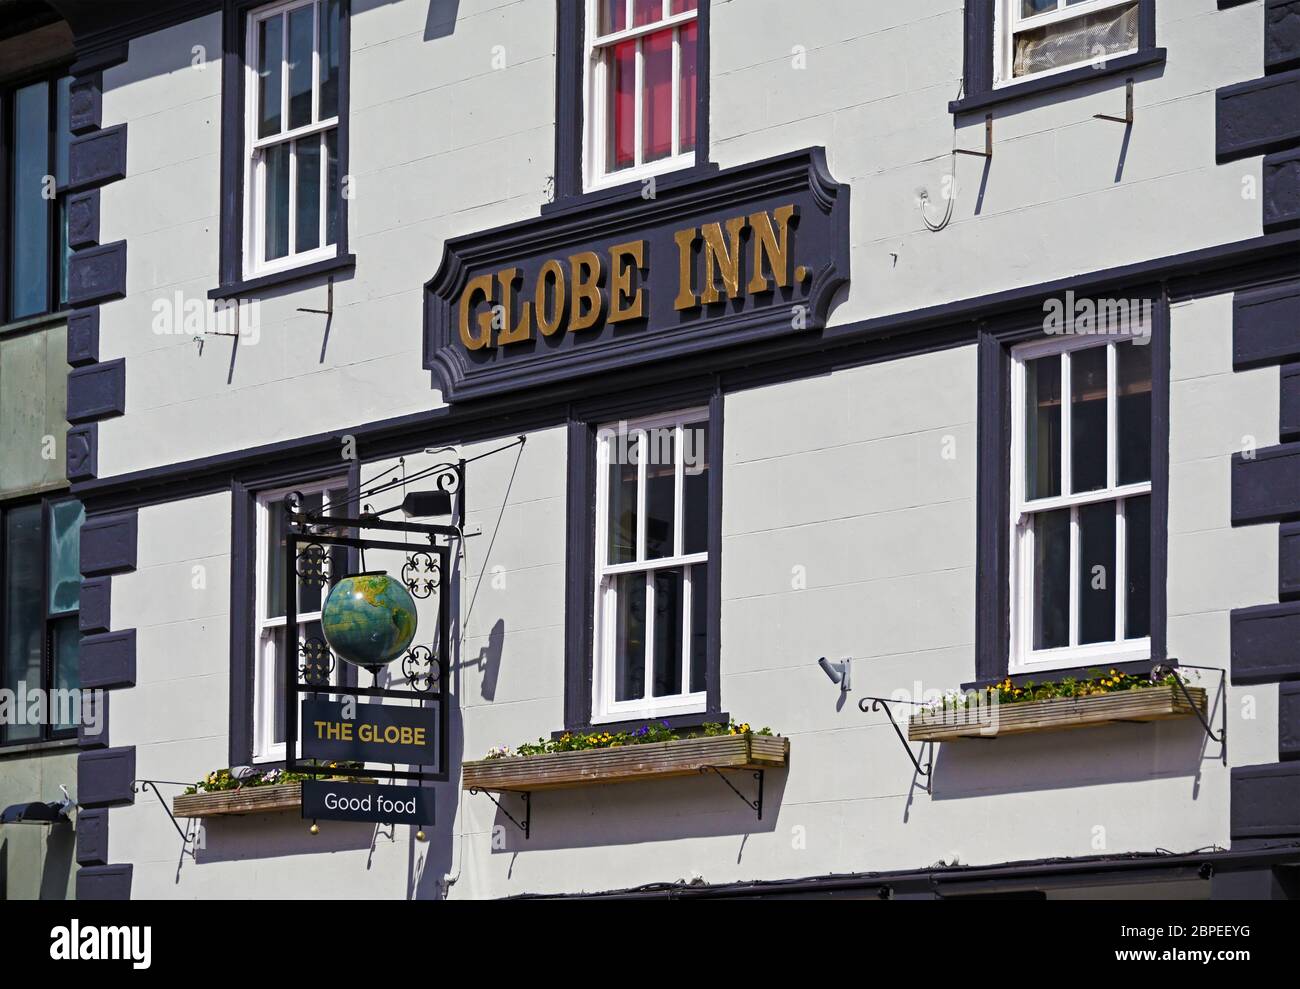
column 329, row 300
column 882, row 703
column 1222, row 736
column 138, row 785
column 526, row 826
column 1127, row 119
column 988, row 141
column 754, row 805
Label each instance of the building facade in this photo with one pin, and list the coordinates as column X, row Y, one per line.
column 953, row 342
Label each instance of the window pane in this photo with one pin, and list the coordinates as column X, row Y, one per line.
column 308, row 203
column 657, row 106
column 1043, row 427
column 1083, row 39
column 301, row 29
column 613, row 16
column 681, row 6
column 31, row 233
column 1028, row 8
column 67, row 669
column 277, row 201
column 668, row 633
column 332, row 189
column 24, row 613
column 274, row 652
column 622, row 105
column 629, row 636
column 688, row 40
column 624, row 452
column 1052, row 579
column 1097, row 572
column 270, row 71
column 1133, row 368
column 65, row 556
column 661, row 479
column 699, row 626
column 1088, row 419
column 273, row 547
column 646, row 11
column 1137, row 560
column 695, row 487
column 329, row 59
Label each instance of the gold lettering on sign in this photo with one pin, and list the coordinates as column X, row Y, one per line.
column 482, row 285
column 745, row 255
column 550, row 281
column 686, row 297
column 621, row 281
column 523, row 330
column 585, row 268
column 768, row 246
column 723, row 255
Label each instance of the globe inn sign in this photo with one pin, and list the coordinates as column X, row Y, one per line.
column 721, row 260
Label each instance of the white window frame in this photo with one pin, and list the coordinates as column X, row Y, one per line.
column 1024, row 658
column 1008, row 22
column 267, row 685
column 596, row 171
column 254, row 247
column 605, row 708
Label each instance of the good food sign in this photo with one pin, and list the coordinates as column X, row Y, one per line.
column 723, row 260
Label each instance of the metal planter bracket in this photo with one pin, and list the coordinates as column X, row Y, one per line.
column 526, row 826
column 754, row 805
column 882, row 703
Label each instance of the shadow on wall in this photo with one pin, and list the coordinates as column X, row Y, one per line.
column 635, row 813
column 439, row 22
column 1058, row 760
column 60, row 845
column 268, row 836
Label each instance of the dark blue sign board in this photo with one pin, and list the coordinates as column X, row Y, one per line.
column 335, row 800
column 386, row 733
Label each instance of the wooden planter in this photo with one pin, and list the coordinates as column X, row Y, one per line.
column 250, row 800
column 996, row 720
column 656, row 760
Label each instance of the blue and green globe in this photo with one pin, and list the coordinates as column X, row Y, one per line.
column 368, row 619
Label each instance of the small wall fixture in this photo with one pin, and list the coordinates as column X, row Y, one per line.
column 40, row 812
column 840, row 672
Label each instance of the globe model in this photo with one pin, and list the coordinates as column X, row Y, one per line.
column 368, row 619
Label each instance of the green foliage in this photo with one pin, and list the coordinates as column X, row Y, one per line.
column 650, row 732
column 220, row 779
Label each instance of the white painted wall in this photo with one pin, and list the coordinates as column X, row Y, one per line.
column 884, row 526
column 444, row 144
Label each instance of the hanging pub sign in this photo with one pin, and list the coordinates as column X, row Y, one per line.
column 333, row 800
column 382, row 733
column 720, row 260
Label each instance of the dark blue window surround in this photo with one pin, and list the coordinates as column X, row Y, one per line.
column 977, row 89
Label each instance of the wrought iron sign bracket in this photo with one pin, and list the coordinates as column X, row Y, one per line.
column 754, row 805
column 882, row 703
column 527, row 825
column 140, row 785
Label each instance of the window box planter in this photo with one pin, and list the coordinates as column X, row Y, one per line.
column 626, row 763
column 250, row 800
column 996, row 720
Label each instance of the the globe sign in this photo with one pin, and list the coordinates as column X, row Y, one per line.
column 368, row 619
